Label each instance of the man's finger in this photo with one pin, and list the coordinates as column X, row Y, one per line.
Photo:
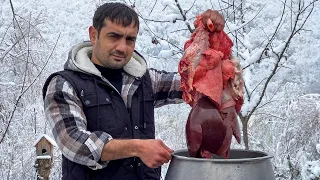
column 166, row 147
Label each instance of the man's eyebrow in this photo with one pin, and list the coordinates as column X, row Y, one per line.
column 114, row 33
column 121, row 35
column 132, row 37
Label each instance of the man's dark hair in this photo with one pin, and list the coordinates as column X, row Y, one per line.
column 115, row 12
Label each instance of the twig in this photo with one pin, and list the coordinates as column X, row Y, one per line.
column 183, row 16
column 179, row 30
column 271, row 115
column 13, row 13
column 280, row 56
column 247, row 91
column 190, row 7
column 276, row 30
column 161, row 21
column 154, row 34
column 28, row 55
column 305, row 20
column 153, row 7
column 226, row 3
column 269, row 102
column 231, row 5
column 7, row 52
column 35, row 28
column 15, row 19
column 242, row 25
column 24, row 91
column 6, row 31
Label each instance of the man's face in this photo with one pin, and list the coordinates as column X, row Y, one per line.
column 114, row 47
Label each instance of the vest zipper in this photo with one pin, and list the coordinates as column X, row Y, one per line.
column 110, row 85
column 115, row 89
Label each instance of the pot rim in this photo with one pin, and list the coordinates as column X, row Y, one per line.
column 266, row 156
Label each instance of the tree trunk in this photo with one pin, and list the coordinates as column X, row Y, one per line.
column 245, row 133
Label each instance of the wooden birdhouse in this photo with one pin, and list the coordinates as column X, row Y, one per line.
column 44, row 151
column 44, row 146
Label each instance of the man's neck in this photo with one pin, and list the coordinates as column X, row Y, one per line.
column 113, row 75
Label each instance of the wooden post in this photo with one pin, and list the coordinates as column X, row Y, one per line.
column 43, row 168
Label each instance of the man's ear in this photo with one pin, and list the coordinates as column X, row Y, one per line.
column 93, row 33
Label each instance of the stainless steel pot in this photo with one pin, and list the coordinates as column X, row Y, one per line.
column 241, row 165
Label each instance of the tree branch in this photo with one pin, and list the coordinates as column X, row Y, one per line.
column 24, row 91
column 190, row 7
column 281, row 54
column 183, row 14
column 153, row 7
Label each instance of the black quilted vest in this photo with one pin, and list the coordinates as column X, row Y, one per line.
column 105, row 111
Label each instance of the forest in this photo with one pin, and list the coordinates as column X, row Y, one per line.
column 276, row 41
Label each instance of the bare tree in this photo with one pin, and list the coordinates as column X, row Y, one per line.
column 22, row 65
column 269, row 52
column 22, row 38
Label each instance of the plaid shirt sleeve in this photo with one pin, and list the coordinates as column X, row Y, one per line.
column 63, row 110
column 166, row 86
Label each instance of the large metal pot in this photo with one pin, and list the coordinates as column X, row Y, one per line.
column 241, row 165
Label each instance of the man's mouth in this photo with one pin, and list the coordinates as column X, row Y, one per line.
column 118, row 58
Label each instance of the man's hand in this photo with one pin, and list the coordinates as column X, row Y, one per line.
column 154, row 153
column 216, row 18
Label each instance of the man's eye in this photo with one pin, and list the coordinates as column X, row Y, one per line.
column 113, row 36
column 131, row 42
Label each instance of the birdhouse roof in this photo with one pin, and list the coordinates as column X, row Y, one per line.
column 47, row 138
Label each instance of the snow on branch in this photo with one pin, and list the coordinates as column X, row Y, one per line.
column 23, row 91
column 264, row 60
column 7, row 83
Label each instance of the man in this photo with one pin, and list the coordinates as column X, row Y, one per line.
column 101, row 107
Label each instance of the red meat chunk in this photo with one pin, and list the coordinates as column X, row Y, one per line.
column 212, row 84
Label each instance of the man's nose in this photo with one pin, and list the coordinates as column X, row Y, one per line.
column 122, row 45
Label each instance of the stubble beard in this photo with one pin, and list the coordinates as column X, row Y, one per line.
column 113, row 64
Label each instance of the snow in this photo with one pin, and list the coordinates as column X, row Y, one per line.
column 7, row 83
column 171, row 17
column 171, row 4
column 164, row 44
column 316, row 170
column 279, row 48
column 318, row 148
column 5, row 52
column 246, row 41
column 253, row 58
column 311, row 170
column 249, row 104
column 143, row 27
column 53, row 142
column 165, row 53
column 44, row 157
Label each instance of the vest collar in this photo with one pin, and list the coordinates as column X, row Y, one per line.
column 79, row 60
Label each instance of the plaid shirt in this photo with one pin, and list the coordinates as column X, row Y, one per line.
column 64, row 111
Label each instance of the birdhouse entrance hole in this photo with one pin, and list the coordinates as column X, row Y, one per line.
column 44, row 151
